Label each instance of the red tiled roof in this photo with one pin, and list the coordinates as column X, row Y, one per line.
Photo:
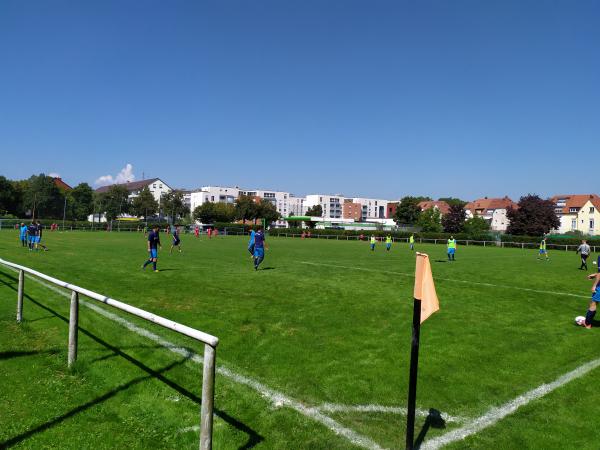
column 490, row 203
column 442, row 206
column 131, row 186
column 576, row 201
column 59, row 183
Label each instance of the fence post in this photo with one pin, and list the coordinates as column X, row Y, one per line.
column 484, row 243
column 208, row 397
column 73, row 325
column 20, row 296
column 522, row 245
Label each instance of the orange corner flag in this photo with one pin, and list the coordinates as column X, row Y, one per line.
column 424, row 287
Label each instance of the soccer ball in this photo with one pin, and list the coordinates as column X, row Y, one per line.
column 594, row 262
column 579, row 320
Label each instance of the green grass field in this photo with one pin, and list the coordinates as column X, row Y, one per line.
column 324, row 323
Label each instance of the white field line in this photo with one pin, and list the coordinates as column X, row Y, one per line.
column 278, row 399
column 334, row 407
column 479, row 283
column 498, row 413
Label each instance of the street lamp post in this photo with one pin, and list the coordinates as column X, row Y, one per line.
column 64, row 212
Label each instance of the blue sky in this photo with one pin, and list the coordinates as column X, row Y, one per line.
column 370, row 98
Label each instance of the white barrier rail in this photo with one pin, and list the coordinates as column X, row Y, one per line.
column 210, row 342
column 466, row 242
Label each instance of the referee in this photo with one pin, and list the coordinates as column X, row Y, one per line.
column 584, row 249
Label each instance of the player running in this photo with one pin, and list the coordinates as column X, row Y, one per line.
column 373, row 242
column 40, row 229
column 176, row 240
column 153, row 246
column 451, row 248
column 388, row 243
column 23, row 234
column 259, row 248
column 543, row 250
column 591, row 312
column 411, row 241
column 585, row 250
column 251, row 242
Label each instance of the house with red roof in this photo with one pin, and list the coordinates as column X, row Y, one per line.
column 442, row 206
column 578, row 212
column 491, row 209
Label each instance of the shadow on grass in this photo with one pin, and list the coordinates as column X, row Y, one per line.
column 434, row 420
column 253, row 437
column 267, row 268
column 16, row 354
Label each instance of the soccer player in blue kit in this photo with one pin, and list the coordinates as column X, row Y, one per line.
column 259, row 248
column 153, row 245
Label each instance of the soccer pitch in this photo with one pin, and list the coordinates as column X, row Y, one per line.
column 314, row 348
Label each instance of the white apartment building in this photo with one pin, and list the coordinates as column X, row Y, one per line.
column 155, row 185
column 213, row 194
column 296, row 205
column 331, row 204
column 372, row 208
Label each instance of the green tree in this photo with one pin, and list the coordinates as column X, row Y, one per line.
column 454, row 221
column 476, row 226
column 408, row 211
column 115, row 202
column 224, row 212
column 144, row 204
column 314, row 211
column 430, row 220
column 245, row 208
column 267, row 210
column 205, row 213
column 8, row 197
column 533, row 217
column 453, row 201
column 173, row 205
column 42, row 198
column 80, row 201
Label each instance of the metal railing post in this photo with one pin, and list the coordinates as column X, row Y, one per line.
column 208, row 397
column 20, row 296
column 73, row 325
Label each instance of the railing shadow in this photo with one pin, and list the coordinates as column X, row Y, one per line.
column 253, row 437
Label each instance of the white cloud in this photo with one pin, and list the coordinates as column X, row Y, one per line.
column 54, row 175
column 125, row 175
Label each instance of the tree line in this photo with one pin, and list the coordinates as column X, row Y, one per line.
column 245, row 208
column 38, row 197
column 533, row 216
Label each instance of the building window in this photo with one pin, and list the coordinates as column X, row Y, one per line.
column 573, row 209
column 160, row 186
column 212, row 198
column 591, row 224
column 591, row 210
column 573, row 224
column 154, row 186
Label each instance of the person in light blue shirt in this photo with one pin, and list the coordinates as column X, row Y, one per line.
column 251, row 243
column 23, row 234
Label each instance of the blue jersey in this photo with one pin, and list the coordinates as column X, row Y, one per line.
column 23, row 230
column 252, row 234
column 32, row 230
column 596, row 295
column 154, row 239
column 259, row 240
column 175, row 234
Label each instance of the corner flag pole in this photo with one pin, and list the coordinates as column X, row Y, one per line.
column 412, row 381
column 425, row 303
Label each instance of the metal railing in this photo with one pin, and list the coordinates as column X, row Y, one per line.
column 465, row 242
column 210, row 342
